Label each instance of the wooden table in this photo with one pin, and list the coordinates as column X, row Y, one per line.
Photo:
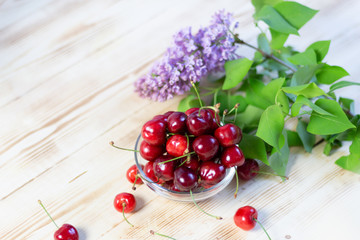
column 67, row 70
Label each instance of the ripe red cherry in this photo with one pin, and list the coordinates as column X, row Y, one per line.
column 149, row 172
column 216, row 120
column 185, row 179
column 176, row 145
column 232, row 156
column 245, row 217
column 66, row 232
column 168, row 113
column 154, row 132
column 191, row 110
column 164, row 171
column 228, row 135
column 177, row 122
column 132, row 174
column 150, row 152
column 211, row 173
column 193, row 163
column 206, row 147
column 171, row 186
column 125, row 202
column 248, row 170
column 161, row 118
column 199, row 124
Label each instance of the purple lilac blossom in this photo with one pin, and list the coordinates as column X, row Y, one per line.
column 190, row 58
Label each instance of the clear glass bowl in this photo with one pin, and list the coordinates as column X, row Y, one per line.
column 181, row 196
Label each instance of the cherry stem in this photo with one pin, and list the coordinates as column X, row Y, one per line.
column 262, row 227
column 136, row 178
column 272, row 174
column 224, row 113
column 161, row 235
column 123, row 212
column 192, row 197
column 47, row 213
column 237, row 184
column 197, row 93
column 170, row 160
column 126, row 149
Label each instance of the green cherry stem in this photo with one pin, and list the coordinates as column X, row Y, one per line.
column 192, row 197
column 126, row 149
column 123, row 212
column 170, row 160
column 47, row 213
column 136, row 178
column 237, row 183
column 272, row 174
column 262, row 228
column 197, row 93
column 161, row 235
column 223, row 117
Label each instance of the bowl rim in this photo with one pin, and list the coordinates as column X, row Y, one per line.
column 203, row 191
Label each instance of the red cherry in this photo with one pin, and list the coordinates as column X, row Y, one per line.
column 176, row 145
column 171, row 186
column 245, row 217
column 206, row 147
column 199, row 124
column 161, row 118
column 164, row 171
column 125, row 203
column 191, row 110
column 211, row 173
column 193, row 163
column 185, row 179
column 216, row 119
column 132, row 174
column 177, row 122
column 232, row 156
column 168, row 113
column 154, row 132
column 149, row 172
column 228, row 135
column 150, row 152
column 66, row 232
column 248, row 170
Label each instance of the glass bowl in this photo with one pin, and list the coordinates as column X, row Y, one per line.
column 198, row 194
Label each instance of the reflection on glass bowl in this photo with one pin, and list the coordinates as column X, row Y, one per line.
column 198, row 194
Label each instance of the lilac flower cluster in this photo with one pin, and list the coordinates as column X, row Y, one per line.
column 190, row 58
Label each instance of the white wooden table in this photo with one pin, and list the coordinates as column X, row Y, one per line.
column 67, row 70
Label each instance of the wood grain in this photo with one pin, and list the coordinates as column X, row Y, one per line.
column 67, row 70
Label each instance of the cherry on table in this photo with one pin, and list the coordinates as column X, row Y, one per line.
column 228, row 135
column 177, row 145
column 206, row 147
column 150, row 152
column 177, row 122
column 185, row 179
column 65, row 232
column 232, row 156
column 164, row 171
column 154, row 132
column 248, row 170
column 125, row 203
column 211, row 173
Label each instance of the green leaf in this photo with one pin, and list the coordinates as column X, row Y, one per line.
column 307, row 139
column 347, row 104
column 325, row 124
column 342, row 84
column 235, row 71
column 228, row 101
column 282, row 101
column 304, row 74
column 329, row 74
column 271, row 125
column 279, row 159
column 321, row 48
column 253, row 147
column 331, row 144
column 250, row 117
column 295, row 13
column 270, row 90
column 254, row 94
column 309, row 90
column 278, row 39
column 258, row 4
column 300, row 101
column 305, row 58
column 263, row 43
column 189, row 101
column 293, row 138
column 273, row 18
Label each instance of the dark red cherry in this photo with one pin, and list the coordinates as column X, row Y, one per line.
column 192, row 163
column 245, row 217
column 176, row 145
column 171, row 186
column 168, row 113
column 131, row 174
column 149, row 172
column 185, row 179
column 191, row 110
column 232, row 156
column 199, row 124
column 161, row 118
column 206, row 147
column 177, row 122
column 164, row 171
column 150, row 152
column 211, row 173
column 66, row 232
column 248, row 170
column 215, row 120
column 228, row 135
column 154, row 132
